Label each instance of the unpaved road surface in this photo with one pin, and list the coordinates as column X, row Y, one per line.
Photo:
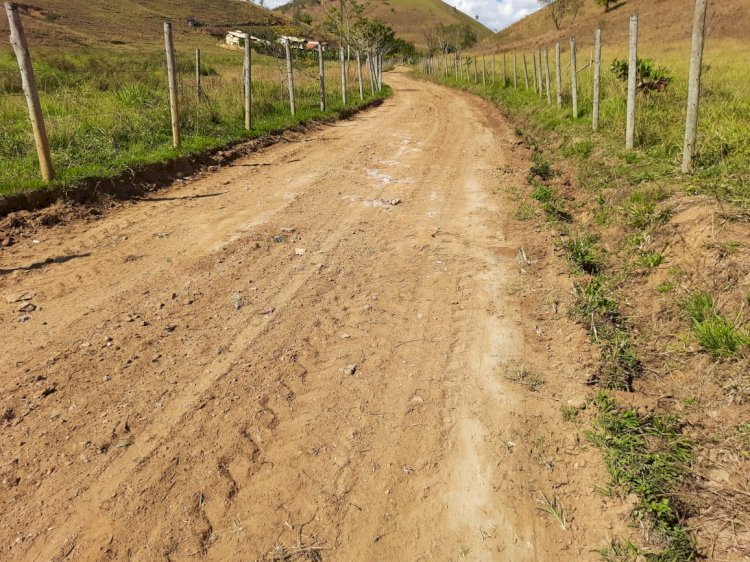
column 300, row 356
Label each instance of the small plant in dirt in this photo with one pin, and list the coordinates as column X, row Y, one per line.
column 712, row 329
column 666, row 287
column 649, row 77
column 583, row 253
column 640, row 208
column 526, row 377
column 651, row 259
column 569, row 413
column 553, row 508
column 541, row 168
column 647, row 456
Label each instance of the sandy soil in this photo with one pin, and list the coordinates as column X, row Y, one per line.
column 306, row 355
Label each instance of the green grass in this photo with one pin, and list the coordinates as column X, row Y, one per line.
column 583, row 253
column 723, row 155
column 714, row 332
column 648, row 456
column 107, row 113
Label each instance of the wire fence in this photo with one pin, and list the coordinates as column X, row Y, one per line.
column 625, row 92
column 107, row 111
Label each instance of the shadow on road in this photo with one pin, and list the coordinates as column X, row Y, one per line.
column 40, row 264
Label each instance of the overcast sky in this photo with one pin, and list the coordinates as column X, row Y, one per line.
column 495, row 14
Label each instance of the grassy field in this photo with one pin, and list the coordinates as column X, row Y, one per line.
column 660, row 263
column 107, row 111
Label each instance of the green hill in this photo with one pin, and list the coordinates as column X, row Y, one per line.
column 409, row 18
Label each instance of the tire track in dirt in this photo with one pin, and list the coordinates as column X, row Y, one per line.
column 203, row 401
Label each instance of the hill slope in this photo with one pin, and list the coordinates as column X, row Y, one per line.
column 409, row 18
column 661, row 22
column 132, row 22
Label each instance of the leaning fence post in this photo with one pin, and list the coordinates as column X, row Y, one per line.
column 198, row 90
column 290, row 77
column 525, row 72
column 694, row 85
column 322, row 73
column 558, row 77
column 546, row 74
column 248, row 79
column 174, row 104
column 476, row 75
column 574, row 77
column 597, row 78
column 533, row 77
column 343, row 74
column 632, row 77
column 28, row 80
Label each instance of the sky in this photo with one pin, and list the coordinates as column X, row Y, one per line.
column 495, row 14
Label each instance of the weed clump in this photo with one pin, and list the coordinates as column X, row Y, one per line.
column 714, row 332
column 647, row 456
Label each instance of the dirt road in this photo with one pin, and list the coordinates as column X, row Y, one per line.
column 301, row 356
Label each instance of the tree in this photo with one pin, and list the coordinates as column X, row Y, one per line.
column 558, row 10
column 606, row 4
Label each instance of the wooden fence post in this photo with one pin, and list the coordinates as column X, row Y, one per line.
column 380, row 71
column 198, row 89
column 359, row 76
column 476, row 75
column 174, row 104
column 290, row 78
column 574, row 77
column 322, row 76
column 541, row 79
column 493, row 69
column 484, row 72
column 28, row 80
column 343, row 74
column 533, row 77
column 515, row 71
column 525, row 72
column 558, row 77
column 248, row 79
column 597, row 78
column 694, row 85
column 632, row 76
column 546, row 75
column 505, row 72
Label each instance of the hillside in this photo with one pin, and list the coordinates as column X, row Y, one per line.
column 408, row 17
column 133, row 22
column 660, row 23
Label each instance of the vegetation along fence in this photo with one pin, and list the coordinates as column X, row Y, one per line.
column 80, row 113
column 637, row 96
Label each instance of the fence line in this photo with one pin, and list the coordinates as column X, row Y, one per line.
column 175, row 94
column 541, row 79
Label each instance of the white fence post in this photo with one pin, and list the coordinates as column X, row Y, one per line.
column 574, row 77
column 632, row 76
column 694, row 85
column 290, row 78
column 248, row 76
column 558, row 77
column 597, row 78
column 322, row 73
